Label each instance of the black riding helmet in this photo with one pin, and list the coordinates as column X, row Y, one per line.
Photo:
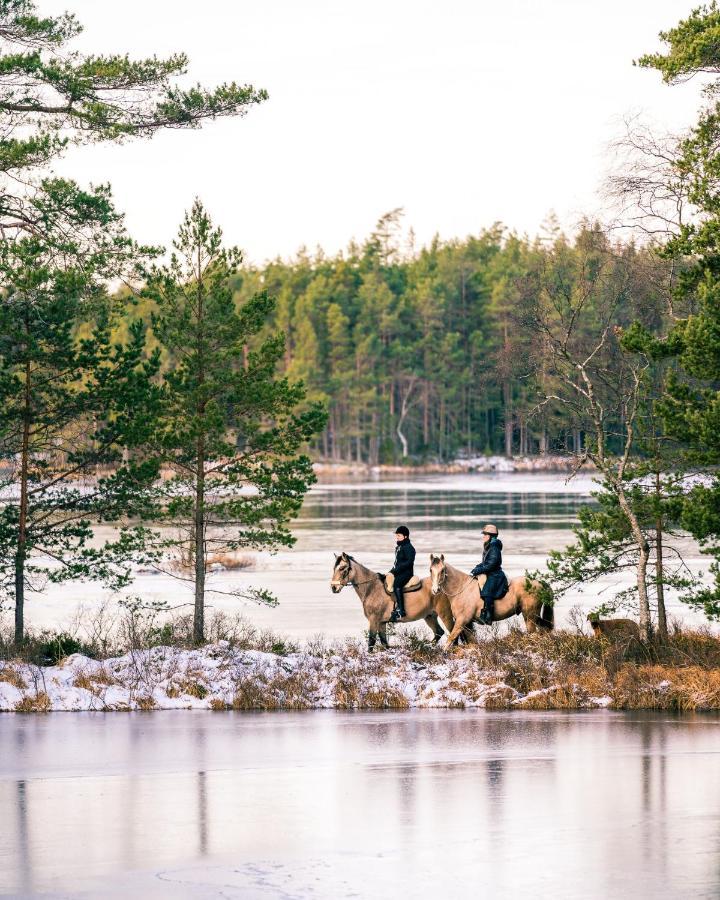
column 403, row 530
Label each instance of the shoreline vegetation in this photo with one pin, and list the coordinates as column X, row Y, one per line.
column 145, row 665
column 479, row 464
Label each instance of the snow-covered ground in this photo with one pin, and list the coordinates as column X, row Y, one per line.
column 220, row 677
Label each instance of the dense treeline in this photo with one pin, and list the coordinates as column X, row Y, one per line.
column 429, row 354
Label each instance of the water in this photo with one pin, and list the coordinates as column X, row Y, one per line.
column 535, row 514
column 382, row 805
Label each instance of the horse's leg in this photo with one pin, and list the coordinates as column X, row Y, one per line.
column 374, row 624
column 468, row 634
column 530, row 621
column 382, row 634
column 437, row 629
column 444, row 612
column 458, row 629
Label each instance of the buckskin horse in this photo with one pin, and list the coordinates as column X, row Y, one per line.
column 462, row 592
column 375, row 593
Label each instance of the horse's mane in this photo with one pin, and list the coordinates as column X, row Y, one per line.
column 452, row 568
column 340, row 556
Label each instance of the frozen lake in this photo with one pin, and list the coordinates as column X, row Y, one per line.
column 381, row 805
column 446, row 513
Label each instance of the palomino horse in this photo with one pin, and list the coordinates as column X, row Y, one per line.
column 378, row 606
column 462, row 592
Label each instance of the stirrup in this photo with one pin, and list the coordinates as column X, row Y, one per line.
column 396, row 615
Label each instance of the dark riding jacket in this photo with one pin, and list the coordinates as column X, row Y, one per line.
column 496, row 585
column 403, row 569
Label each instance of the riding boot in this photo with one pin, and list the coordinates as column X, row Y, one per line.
column 399, row 610
column 487, row 612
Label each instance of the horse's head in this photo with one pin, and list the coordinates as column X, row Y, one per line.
column 438, row 572
column 341, row 573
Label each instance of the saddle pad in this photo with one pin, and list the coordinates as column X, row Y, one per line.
column 415, row 584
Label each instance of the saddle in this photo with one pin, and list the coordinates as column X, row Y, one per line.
column 389, row 580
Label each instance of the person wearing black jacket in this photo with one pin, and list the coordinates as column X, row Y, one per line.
column 496, row 583
column 403, row 569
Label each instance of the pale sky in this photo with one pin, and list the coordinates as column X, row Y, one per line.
column 463, row 112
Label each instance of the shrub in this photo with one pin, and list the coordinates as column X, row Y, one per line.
column 51, row 648
column 39, row 703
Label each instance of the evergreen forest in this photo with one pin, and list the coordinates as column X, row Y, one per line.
column 428, row 355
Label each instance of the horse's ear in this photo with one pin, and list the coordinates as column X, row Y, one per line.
column 432, row 558
column 345, row 556
column 442, row 557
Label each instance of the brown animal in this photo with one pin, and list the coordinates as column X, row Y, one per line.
column 614, row 629
column 378, row 605
column 462, row 591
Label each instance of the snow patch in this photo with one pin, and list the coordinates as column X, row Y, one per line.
column 219, row 676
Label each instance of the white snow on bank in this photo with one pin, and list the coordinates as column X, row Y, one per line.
column 219, row 676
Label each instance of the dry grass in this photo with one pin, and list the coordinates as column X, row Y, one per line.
column 39, row 703
column 563, row 670
column 351, row 693
column 284, row 690
column 383, row 698
column 219, row 705
column 501, row 697
column 347, row 691
column 94, row 681
column 145, row 702
column 190, row 684
column 232, row 560
column 13, row 677
column 663, row 687
column 85, row 682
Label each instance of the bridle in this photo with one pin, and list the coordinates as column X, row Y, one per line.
column 348, row 583
column 442, row 579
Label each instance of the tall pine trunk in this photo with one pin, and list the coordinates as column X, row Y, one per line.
column 21, row 550
column 199, row 509
column 199, row 547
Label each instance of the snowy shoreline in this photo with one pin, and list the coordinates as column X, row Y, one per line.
column 499, row 464
column 220, row 676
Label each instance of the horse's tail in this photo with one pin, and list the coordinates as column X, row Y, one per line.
column 546, row 619
column 547, row 616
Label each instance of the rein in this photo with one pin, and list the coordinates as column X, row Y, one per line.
column 457, row 593
column 344, row 584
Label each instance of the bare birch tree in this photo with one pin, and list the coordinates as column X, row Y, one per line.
column 599, row 386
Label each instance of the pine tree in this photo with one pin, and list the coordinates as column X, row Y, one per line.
column 68, row 405
column 52, row 97
column 229, row 429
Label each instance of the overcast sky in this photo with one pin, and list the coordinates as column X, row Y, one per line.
column 463, row 112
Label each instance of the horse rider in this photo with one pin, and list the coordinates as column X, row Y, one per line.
column 402, row 569
column 496, row 583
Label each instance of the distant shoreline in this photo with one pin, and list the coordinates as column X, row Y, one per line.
column 485, row 464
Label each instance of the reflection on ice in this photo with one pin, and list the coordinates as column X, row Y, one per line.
column 378, row 805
